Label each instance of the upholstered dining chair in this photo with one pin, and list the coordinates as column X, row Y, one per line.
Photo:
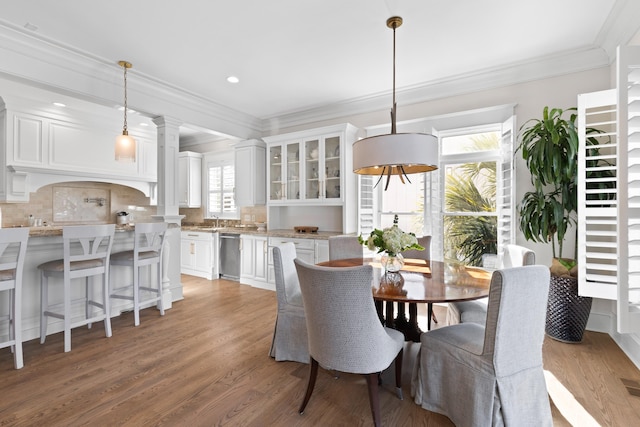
column 344, row 247
column 290, row 334
column 476, row 311
column 344, row 332
column 148, row 242
column 13, row 247
column 492, row 374
column 86, row 251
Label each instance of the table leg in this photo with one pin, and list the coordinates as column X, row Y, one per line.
column 410, row 327
column 379, row 311
column 389, row 322
column 401, row 321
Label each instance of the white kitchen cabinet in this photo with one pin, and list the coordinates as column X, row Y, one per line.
column 305, row 250
column 250, row 173
column 198, row 254
column 253, row 260
column 310, row 179
column 309, row 167
column 189, row 179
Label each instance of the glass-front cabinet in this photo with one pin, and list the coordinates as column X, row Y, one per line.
column 306, row 170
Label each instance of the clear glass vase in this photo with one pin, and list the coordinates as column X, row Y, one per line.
column 392, row 263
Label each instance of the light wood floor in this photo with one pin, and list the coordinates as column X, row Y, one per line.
column 206, row 363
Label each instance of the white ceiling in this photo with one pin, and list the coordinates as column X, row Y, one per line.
column 293, row 56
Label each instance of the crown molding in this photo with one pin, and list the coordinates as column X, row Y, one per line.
column 620, row 27
column 30, row 58
column 544, row 67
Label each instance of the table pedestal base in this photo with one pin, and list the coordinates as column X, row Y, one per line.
column 409, row 327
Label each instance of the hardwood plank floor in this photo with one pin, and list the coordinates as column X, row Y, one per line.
column 206, row 363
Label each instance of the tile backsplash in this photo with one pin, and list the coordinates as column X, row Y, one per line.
column 79, row 203
column 248, row 215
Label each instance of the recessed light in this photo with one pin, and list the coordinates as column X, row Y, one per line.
column 233, row 79
column 144, row 124
column 59, row 104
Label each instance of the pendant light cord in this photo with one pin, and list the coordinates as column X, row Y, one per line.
column 124, row 128
column 393, row 108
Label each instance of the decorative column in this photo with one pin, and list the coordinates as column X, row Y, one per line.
column 168, row 134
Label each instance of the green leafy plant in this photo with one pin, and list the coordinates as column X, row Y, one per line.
column 549, row 147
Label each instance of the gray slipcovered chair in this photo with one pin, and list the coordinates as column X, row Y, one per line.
column 290, row 333
column 344, row 331
column 476, row 311
column 490, row 375
column 344, row 247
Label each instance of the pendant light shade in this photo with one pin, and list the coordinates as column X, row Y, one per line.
column 125, row 144
column 398, row 154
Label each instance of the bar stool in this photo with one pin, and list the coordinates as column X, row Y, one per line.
column 147, row 252
column 13, row 247
column 87, row 249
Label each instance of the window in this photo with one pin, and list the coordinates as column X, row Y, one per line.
column 468, row 199
column 469, row 162
column 406, row 201
column 221, row 188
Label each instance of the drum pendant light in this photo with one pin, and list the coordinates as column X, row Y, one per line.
column 395, row 153
column 125, row 144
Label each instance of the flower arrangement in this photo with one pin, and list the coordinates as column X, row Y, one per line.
column 391, row 240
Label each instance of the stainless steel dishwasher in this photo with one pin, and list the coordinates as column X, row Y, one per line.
column 230, row 256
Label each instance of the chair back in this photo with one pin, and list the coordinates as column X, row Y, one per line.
column 87, row 248
column 516, row 313
column 425, row 242
column 517, row 256
column 344, row 330
column 13, row 247
column 344, row 247
column 149, row 240
column 286, row 277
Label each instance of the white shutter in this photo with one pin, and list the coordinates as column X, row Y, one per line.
column 609, row 208
column 599, row 244
column 629, row 164
column 505, row 188
column 434, row 206
column 366, row 204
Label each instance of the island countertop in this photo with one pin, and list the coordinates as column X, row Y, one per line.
column 56, row 230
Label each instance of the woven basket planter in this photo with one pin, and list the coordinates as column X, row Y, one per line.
column 567, row 313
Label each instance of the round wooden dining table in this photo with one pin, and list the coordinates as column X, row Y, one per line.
column 420, row 281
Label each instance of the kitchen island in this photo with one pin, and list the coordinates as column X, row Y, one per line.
column 45, row 244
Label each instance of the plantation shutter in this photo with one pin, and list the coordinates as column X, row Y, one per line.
column 434, row 207
column 609, row 207
column 366, row 204
column 505, row 189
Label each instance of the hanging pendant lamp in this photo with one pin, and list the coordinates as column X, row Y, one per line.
column 398, row 154
column 125, row 144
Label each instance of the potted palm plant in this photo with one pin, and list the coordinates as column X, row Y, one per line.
column 549, row 147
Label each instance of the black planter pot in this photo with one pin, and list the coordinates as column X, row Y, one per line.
column 567, row 313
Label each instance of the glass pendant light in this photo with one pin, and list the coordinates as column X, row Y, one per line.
column 125, row 144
